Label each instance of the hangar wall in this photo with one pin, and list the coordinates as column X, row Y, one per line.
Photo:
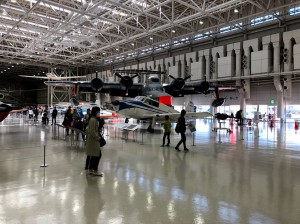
column 270, row 55
column 274, row 56
column 260, row 95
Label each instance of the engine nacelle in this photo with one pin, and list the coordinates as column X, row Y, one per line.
column 1, row 96
column 97, row 84
column 126, row 81
column 177, row 84
column 203, row 87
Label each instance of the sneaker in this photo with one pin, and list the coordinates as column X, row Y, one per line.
column 162, row 146
column 186, row 150
column 95, row 173
column 91, row 172
column 177, row 149
column 167, row 145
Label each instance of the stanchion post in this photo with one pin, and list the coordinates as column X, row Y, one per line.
column 44, row 165
column 142, row 138
column 107, row 130
column 193, row 139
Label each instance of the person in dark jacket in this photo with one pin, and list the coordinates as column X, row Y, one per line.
column 182, row 129
column 54, row 114
column 68, row 119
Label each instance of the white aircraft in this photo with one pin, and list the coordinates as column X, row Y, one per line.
column 51, row 76
column 144, row 108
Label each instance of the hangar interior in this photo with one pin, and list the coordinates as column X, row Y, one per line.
column 248, row 176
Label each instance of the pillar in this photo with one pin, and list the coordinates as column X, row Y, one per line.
column 207, row 72
column 280, row 103
column 238, row 68
column 215, row 72
column 276, row 60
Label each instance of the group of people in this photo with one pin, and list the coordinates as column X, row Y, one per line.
column 181, row 127
column 33, row 112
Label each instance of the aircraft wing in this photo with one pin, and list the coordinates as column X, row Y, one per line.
column 187, row 89
column 113, row 88
column 71, row 77
column 197, row 88
column 175, row 116
column 34, row 77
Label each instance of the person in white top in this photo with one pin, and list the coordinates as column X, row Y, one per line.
column 30, row 113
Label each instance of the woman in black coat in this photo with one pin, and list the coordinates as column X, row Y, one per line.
column 182, row 129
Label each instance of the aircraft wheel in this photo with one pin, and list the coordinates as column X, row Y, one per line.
column 126, row 120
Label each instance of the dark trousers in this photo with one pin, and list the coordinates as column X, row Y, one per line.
column 166, row 134
column 240, row 121
column 54, row 119
column 182, row 140
column 92, row 162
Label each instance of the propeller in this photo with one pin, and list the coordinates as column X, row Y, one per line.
column 178, row 83
column 97, row 83
column 126, row 81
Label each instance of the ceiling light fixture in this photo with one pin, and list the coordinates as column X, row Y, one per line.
column 201, row 22
column 173, row 31
column 236, row 10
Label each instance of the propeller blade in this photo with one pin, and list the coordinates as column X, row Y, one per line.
column 118, row 75
column 171, row 76
column 134, row 76
column 186, row 78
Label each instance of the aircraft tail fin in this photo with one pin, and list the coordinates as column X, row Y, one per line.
column 189, row 106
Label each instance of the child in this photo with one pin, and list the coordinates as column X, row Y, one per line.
column 167, row 128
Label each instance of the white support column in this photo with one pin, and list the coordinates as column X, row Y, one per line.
column 206, row 54
column 276, row 61
column 242, row 101
column 238, row 68
column 215, row 70
column 190, row 57
column 244, row 94
column 280, row 102
column 207, row 72
column 246, row 46
column 215, row 52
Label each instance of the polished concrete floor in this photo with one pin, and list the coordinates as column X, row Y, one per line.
column 250, row 176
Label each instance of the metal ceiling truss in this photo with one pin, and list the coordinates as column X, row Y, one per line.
column 88, row 33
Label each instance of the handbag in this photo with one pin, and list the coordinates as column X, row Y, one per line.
column 102, row 141
column 177, row 128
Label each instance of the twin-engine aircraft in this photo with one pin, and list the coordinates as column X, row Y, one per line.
column 127, row 88
column 51, row 76
column 144, row 108
column 151, row 88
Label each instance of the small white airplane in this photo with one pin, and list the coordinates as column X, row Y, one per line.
column 144, row 108
column 51, row 76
